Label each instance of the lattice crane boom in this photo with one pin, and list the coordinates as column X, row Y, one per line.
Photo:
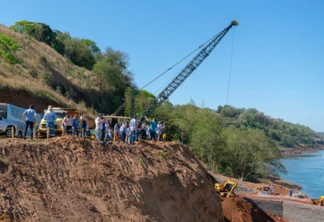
column 185, row 73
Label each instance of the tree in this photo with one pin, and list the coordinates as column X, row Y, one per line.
column 112, row 75
column 58, row 42
column 92, row 46
column 39, row 31
column 142, row 100
column 183, row 119
column 207, row 138
column 8, row 48
column 219, row 109
column 248, row 151
column 229, row 111
column 24, row 27
column 79, row 53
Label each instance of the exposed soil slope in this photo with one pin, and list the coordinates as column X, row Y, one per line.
column 71, row 179
column 24, row 99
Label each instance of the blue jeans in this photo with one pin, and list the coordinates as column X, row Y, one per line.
column 51, row 127
column 76, row 130
column 98, row 134
column 29, row 124
column 132, row 136
column 123, row 136
column 84, row 131
column 152, row 135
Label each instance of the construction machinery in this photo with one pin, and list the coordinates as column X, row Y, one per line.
column 112, row 120
column 319, row 201
column 227, row 189
column 183, row 75
column 60, row 114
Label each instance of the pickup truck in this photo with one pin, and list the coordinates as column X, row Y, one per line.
column 6, row 126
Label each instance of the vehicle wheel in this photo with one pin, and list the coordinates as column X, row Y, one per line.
column 9, row 132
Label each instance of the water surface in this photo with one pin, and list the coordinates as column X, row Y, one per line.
column 306, row 170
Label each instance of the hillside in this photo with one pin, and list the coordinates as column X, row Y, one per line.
column 285, row 134
column 71, row 179
column 43, row 75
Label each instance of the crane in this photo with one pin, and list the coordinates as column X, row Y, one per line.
column 185, row 73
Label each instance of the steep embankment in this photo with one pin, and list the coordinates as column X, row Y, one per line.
column 74, row 179
column 44, row 74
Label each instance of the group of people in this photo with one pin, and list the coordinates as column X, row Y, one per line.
column 128, row 132
column 69, row 125
column 75, row 126
column 29, row 117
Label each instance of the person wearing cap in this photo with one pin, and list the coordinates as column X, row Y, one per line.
column 29, row 116
column 50, row 118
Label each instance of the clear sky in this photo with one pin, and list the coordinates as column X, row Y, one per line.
column 278, row 48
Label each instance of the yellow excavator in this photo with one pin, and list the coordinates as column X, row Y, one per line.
column 319, row 201
column 227, row 189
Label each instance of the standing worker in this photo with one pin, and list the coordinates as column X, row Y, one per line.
column 30, row 117
column 153, row 126
column 133, row 129
column 50, row 118
column 99, row 122
column 84, row 126
column 75, row 125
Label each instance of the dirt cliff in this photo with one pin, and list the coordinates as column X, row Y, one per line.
column 71, row 179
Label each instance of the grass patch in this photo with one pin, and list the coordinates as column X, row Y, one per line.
column 5, row 161
column 165, row 154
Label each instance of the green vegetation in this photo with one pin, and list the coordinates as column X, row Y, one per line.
column 283, row 133
column 101, row 85
column 237, row 142
column 8, row 48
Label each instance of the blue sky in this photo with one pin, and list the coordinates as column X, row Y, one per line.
column 278, row 51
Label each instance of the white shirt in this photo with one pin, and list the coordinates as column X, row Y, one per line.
column 133, row 125
column 99, row 123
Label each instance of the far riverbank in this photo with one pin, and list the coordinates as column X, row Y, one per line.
column 287, row 152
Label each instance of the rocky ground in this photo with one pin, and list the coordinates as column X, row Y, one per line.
column 72, row 179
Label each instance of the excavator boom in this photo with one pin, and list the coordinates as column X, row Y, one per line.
column 184, row 74
column 227, row 189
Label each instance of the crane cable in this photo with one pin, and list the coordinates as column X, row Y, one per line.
column 230, row 69
column 179, row 62
column 143, row 87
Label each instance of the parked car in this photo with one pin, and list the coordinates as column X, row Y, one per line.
column 6, row 127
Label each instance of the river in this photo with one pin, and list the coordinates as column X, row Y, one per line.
column 306, row 170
